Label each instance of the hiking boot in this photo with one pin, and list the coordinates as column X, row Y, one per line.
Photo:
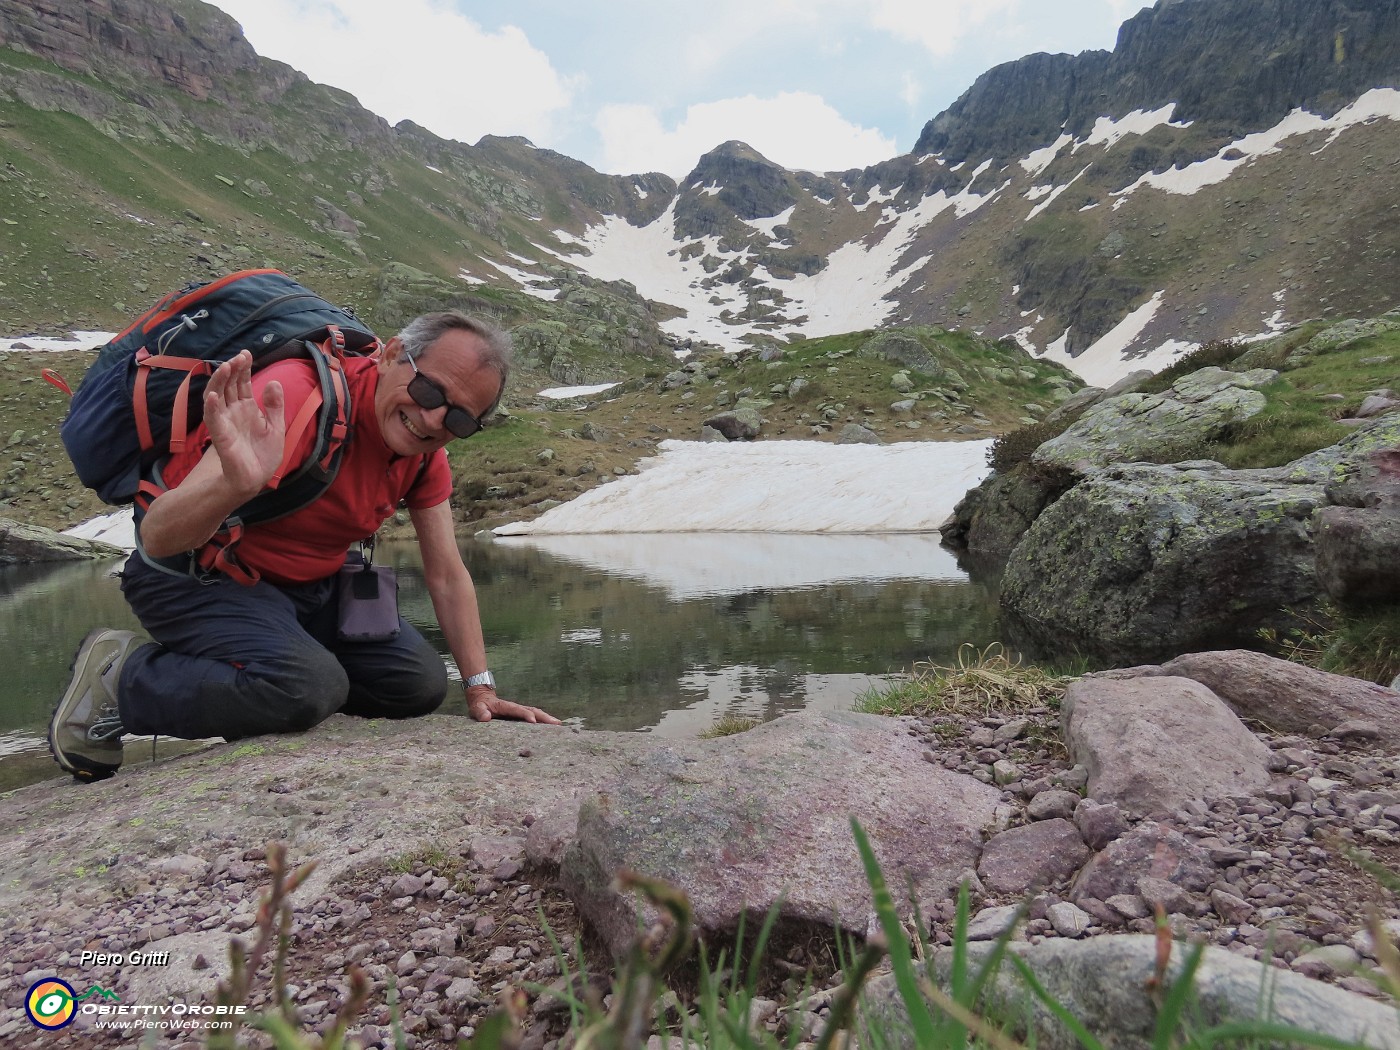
column 85, row 732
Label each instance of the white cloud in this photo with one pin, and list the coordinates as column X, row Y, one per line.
column 415, row 59
column 1121, row 10
column 910, row 90
column 937, row 25
column 794, row 128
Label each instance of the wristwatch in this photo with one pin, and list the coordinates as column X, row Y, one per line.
column 484, row 678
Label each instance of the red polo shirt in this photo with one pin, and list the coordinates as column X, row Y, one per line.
column 373, row 479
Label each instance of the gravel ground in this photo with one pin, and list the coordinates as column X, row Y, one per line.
column 452, row 933
column 1285, row 885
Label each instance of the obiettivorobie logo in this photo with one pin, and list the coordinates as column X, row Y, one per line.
column 52, row 1003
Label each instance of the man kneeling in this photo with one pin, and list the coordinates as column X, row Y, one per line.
column 234, row 660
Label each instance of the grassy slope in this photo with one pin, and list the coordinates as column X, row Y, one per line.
column 500, row 475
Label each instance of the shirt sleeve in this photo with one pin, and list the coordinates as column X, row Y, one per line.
column 433, row 484
column 298, row 380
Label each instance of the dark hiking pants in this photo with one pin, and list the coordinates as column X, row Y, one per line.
column 236, row 661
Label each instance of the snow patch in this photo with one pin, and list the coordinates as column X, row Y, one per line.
column 846, row 295
column 78, row 341
column 556, row 392
column 1103, row 363
column 875, row 195
column 1373, row 105
column 527, row 282
column 116, row 528
column 767, row 226
column 1055, row 193
column 1038, row 160
column 776, row 486
column 1107, row 131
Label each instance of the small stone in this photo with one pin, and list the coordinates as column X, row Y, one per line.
column 990, row 923
column 1356, row 729
column 408, row 886
column 1050, row 804
column 1005, row 771
column 1129, row 905
column 1327, row 961
column 1230, row 908
column 1013, row 730
column 1159, row 892
column 1068, row 920
column 462, row 990
column 1099, row 823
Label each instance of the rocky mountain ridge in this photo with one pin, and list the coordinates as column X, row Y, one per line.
column 1227, row 72
column 1219, row 173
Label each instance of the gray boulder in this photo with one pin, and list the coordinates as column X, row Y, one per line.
column 855, row 434
column 1141, row 562
column 675, row 379
column 745, row 821
column 738, row 424
column 26, row 544
column 1374, row 405
column 991, row 518
column 1106, row 983
column 903, row 348
column 1290, row 697
column 1075, row 404
column 1148, row 851
column 1158, row 428
column 1356, row 547
column 1027, row 858
column 1151, row 744
column 1342, row 335
column 1356, row 539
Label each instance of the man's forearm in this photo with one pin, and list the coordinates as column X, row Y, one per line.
column 185, row 517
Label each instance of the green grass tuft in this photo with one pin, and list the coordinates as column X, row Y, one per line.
column 730, row 725
column 979, row 682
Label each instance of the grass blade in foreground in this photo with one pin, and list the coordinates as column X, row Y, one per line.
column 901, row 960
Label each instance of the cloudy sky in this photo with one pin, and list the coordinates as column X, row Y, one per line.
column 631, row 86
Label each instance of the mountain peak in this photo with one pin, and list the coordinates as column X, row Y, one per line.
column 734, row 150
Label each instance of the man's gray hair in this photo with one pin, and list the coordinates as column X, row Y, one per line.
column 423, row 331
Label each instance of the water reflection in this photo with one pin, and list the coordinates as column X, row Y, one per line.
column 656, row 633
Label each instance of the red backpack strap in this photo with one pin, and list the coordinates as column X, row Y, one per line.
column 333, row 346
column 219, row 554
column 180, row 415
column 291, row 441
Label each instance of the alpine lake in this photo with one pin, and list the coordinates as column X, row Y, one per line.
column 653, row 633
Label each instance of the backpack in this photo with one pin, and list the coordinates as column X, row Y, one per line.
column 143, row 398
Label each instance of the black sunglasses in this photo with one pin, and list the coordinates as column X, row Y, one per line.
column 427, row 394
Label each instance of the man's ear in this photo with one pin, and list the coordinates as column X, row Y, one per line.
column 389, row 353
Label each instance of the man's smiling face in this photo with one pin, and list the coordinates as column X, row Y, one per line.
column 454, row 362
